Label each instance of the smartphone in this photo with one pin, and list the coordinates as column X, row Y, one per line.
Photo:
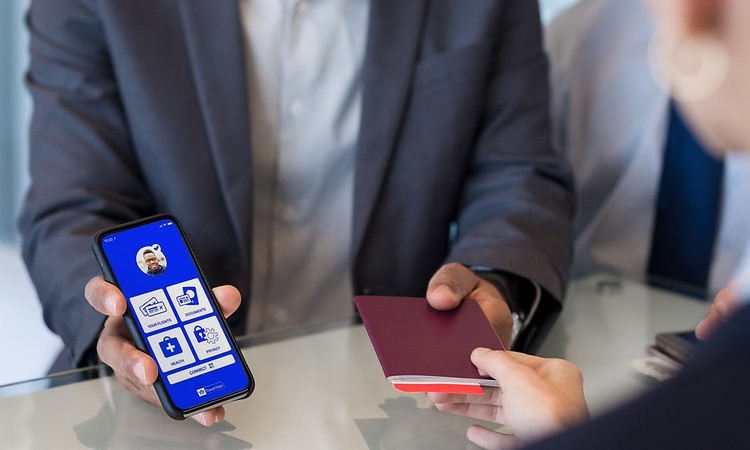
column 173, row 315
column 678, row 345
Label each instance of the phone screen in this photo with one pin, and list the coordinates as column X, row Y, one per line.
column 174, row 314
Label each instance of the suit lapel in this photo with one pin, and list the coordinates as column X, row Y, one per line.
column 392, row 50
column 213, row 33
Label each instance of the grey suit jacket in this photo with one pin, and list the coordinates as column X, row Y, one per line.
column 141, row 107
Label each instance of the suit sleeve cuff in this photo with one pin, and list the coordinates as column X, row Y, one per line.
column 534, row 311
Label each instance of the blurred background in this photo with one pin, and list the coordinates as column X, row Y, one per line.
column 27, row 347
column 14, row 114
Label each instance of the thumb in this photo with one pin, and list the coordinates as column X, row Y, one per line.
column 505, row 366
column 450, row 284
column 229, row 298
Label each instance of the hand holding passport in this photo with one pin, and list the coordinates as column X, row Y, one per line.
column 422, row 349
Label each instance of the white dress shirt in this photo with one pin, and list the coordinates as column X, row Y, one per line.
column 304, row 59
column 610, row 119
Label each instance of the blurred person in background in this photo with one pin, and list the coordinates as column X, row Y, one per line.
column 703, row 56
column 620, row 131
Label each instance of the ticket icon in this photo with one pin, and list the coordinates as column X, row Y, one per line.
column 153, row 307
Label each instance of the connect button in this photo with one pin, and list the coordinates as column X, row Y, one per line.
column 210, row 366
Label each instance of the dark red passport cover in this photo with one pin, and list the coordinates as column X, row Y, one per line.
column 422, row 349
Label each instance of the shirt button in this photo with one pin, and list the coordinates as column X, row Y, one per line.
column 281, row 316
column 294, row 108
column 289, row 213
column 303, row 6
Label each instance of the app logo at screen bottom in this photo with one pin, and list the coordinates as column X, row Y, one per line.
column 202, row 392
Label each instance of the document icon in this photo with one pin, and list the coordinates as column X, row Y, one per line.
column 188, row 297
column 153, row 307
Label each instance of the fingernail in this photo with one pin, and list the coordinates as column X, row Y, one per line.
column 444, row 289
column 140, row 372
column 202, row 418
column 479, row 351
column 110, row 304
column 699, row 329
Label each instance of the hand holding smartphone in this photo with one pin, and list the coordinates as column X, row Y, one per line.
column 173, row 315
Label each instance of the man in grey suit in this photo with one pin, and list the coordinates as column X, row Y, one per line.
column 311, row 150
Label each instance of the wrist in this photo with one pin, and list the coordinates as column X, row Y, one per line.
column 523, row 297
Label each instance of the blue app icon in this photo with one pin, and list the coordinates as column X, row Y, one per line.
column 189, row 296
column 170, row 346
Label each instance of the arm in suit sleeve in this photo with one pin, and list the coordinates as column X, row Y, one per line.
column 517, row 208
column 84, row 176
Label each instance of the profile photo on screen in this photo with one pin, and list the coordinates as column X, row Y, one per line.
column 151, row 260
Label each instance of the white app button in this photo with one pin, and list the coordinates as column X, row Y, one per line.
column 171, row 349
column 207, row 337
column 210, row 366
column 189, row 299
column 153, row 311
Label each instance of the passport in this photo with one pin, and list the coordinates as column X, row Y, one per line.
column 422, row 349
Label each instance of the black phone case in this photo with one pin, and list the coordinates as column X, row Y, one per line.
column 679, row 345
column 166, row 401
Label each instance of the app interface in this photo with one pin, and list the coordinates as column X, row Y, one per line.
column 154, row 269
